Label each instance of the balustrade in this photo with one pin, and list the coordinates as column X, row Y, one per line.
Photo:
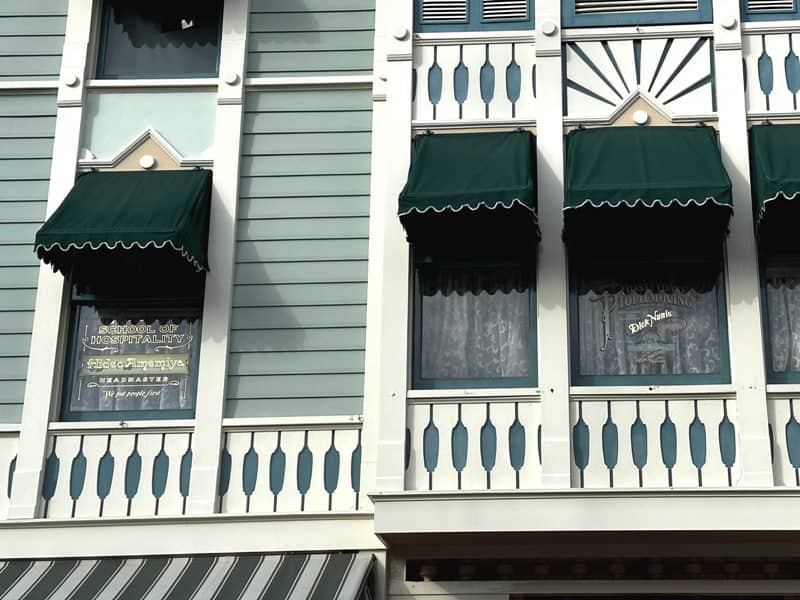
column 8, row 461
column 784, row 437
column 772, row 72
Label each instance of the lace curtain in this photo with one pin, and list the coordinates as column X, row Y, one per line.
column 649, row 328
column 475, row 324
column 783, row 306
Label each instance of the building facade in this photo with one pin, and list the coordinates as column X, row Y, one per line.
column 421, row 299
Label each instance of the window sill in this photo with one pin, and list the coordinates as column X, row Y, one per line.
column 651, row 392
column 120, row 425
column 783, row 388
column 200, row 82
column 473, row 395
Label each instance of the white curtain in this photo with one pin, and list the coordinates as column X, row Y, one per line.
column 783, row 306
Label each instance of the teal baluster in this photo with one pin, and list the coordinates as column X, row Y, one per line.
column 105, row 475
column 250, row 471
column 727, row 441
column 791, row 67
column 355, row 469
column 277, row 472
column 77, row 476
column 430, row 447
column 639, row 444
column 225, row 467
column 133, row 473
column 669, row 443
column 516, row 443
column 305, row 462
column 407, row 456
column 186, row 473
column 610, row 437
column 793, row 441
column 160, row 473
column 461, row 82
column 539, row 442
column 487, row 82
column 580, row 442
column 459, row 444
column 12, row 467
column 331, row 469
column 50, row 479
column 488, row 446
column 697, row 444
column 765, row 72
column 533, row 80
column 435, row 83
column 513, row 81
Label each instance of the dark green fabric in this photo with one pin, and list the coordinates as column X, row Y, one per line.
column 775, row 173
column 130, row 211
column 471, row 191
column 647, row 166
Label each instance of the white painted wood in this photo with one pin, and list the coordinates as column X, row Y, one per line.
column 575, row 472
column 344, row 498
column 60, row 506
column 448, row 59
column 624, row 55
column 578, row 103
column 596, row 473
column 218, row 296
column 474, row 476
column 781, row 99
column 235, row 500
column 171, row 502
column 423, row 107
column 416, row 475
column 290, row 499
column 626, row 475
column 736, row 470
column 525, row 56
column 751, row 49
column 474, row 108
column 317, row 497
column 654, row 473
column 144, row 503
column 779, row 415
column 504, row 477
column 9, row 444
column 677, row 53
column 715, row 473
column 116, row 504
column 261, row 501
column 445, row 476
column 613, row 88
column 698, row 67
column 684, row 473
column 88, row 504
column 531, row 473
column 652, row 49
column 44, row 369
column 500, row 58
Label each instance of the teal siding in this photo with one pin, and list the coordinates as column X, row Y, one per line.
column 299, row 299
column 31, row 38
column 312, row 37
column 27, row 124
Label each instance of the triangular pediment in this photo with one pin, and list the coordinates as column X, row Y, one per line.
column 148, row 151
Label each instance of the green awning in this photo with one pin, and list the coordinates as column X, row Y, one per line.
column 775, row 183
column 646, row 179
column 471, row 187
column 340, row 576
column 130, row 211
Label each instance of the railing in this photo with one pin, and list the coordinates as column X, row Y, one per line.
column 772, row 72
column 473, row 445
column 9, row 442
column 280, row 469
column 654, row 443
column 113, row 473
column 784, row 437
column 473, row 81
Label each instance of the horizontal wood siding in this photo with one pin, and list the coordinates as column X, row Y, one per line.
column 31, row 38
column 310, row 37
column 27, row 124
column 300, row 287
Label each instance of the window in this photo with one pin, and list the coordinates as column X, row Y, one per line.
column 473, row 15
column 781, row 307
column 134, row 345
column 474, row 324
column 648, row 322
column 591, row 13
column 149, row 39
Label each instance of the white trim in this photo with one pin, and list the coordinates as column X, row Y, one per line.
column 474, row 37
column 294, row 423
column 650, row 204
column 783, row 388
column 319, row 81
column 142, row 84
column 636, row 32
column 9, row 428
column 652, row 392
column 27, row 86
column 481, row 394
column 122, row 426
column 776, row 26
column 135, row 143
column 465, row 205
column 494, row 125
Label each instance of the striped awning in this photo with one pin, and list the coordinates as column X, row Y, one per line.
column 344, row 576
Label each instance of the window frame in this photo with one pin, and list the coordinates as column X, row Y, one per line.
column 99, row 51
column 71, row 356
column 766, row 260
column 577, row 379
column 420, row 383
column 703, row 14
column 474, row 21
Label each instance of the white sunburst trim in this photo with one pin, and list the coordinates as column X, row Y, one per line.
column 650, row 204
column 133, row 145
column 41, row 250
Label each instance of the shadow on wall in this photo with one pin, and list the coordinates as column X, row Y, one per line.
column 288, row 25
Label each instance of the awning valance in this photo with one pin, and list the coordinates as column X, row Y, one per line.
column 341, row 576
column 645, row 179
column 470, row 188
column 775, row 183
column 122, row 211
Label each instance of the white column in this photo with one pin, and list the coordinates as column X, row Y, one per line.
column 213, row 368
column 552, row 280
column 744, row 318
column 388, row 292
column 44, row 365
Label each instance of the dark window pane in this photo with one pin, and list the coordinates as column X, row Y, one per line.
column 474, row 323
column 132, row 360
column 783, row 308
column 663, row 324
column 159, row 39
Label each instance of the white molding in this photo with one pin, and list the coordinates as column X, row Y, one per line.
column 27, row 86
column 294, row 423
column 639, row 32
column 134, row 144
column 218, row 298
column 44, row 362
column 101, row 427
column 475, row 394
column 298, row 532
column 785, row 389
column 423, row 126
column 319, row 81
column 9, row 428
column 465, row 38
column 652, row 392
column 757, row 27
column 144, row 84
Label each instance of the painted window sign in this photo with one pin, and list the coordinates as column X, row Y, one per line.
column 126, row 361
column 474, row 326
column 783, row 310
column 651, row 328
column 149, row 38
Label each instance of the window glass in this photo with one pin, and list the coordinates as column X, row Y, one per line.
column 648, row 325
column 145, row 38
column 474, row 326
column 783, row 310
